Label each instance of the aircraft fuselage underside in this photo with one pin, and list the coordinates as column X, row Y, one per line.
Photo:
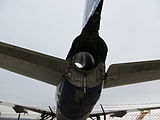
column 75, row 103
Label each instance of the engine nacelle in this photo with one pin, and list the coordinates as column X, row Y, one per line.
column 87, row 60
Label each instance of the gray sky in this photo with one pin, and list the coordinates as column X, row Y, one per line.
column 129, row 27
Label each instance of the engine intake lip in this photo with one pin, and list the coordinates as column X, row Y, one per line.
column 84, row 61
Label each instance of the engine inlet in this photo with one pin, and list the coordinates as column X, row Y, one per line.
column 84, row 61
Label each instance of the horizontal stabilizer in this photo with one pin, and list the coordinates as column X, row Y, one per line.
column 130, row 73
column 35, row 65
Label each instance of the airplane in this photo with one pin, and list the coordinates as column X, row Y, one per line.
column 51, row 114
column 80, row 77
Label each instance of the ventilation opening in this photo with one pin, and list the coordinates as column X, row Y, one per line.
column 84, row 60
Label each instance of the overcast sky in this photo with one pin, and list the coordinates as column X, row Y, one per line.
column 129, row 27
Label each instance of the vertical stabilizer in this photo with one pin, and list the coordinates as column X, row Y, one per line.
column 92, row 14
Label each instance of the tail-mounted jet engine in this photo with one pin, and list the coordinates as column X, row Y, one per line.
column 87, row 58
